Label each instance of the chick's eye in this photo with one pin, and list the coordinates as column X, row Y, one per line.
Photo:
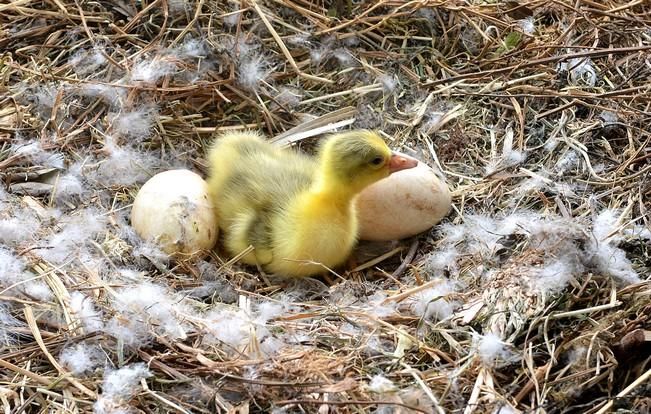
column 377, row 160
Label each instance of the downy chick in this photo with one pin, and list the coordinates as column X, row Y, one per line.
column 296, row 211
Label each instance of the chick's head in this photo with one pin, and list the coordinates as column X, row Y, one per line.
column 356, row 159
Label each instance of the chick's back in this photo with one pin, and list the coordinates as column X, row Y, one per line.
column 251, row 181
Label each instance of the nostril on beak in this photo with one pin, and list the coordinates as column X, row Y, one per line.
column 399, row 162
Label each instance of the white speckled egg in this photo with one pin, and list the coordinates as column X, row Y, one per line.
column 404, row 204
column 174, row 211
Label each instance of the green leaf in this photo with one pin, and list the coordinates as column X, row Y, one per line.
column 509, row 43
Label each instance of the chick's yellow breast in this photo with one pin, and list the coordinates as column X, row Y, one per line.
column 313, row 235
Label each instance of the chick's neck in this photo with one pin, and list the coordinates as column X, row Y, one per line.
column 333, row 190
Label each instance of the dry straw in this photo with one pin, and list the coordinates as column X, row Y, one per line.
column 533, row 296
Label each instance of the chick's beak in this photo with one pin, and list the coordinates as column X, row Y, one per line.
column 399, row 162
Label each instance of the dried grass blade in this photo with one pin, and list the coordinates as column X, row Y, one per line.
column 31, row 322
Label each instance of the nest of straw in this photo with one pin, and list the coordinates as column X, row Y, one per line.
column 531, row 296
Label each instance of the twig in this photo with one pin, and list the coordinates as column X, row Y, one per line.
column 640, row 380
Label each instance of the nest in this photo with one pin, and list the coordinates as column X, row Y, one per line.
column 531, row 296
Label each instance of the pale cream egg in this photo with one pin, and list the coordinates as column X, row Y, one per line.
column 404, row 204
column 173, row 210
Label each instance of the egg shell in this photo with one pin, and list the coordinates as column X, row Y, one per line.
column 404, row 204
column 173, row 209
